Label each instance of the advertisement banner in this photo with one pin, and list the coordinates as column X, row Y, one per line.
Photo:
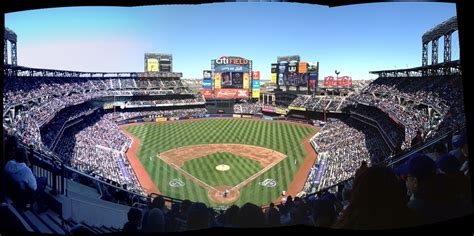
column 165, row 66
column 207, row 74
column 274, row 78
column 267, row 118
column 246, row 81
column 256, row 93
column 225, row 60
column 161, row 119
column 297, row 79
column 281, row 111
column 346, row 81
column 231, row 93
column 207, row 84
column 297, row 108
column 231, row 68
column 255, row 84
column 152, row 65
column 293, row 67
column 274, row 68
column 207, row 93
column 217, row 80
column 236, row 116
column 329, row 81
column 282, row 68
column 108, row 106
column 312, row 83
column 302, row 67
column 256, row 75
column 267, row 110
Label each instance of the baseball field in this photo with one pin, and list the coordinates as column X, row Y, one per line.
column 200, row 160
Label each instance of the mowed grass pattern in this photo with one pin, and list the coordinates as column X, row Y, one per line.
column 204, row 169
column 283, row 137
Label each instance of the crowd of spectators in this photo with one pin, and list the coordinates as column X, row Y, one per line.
column 248, row 108
column 408, row 99
column 394, row 131
column 166, row 101
column 318, row 103
column 344, row 144
column 96, row 145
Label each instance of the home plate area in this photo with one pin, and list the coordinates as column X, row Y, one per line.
column 234, row 166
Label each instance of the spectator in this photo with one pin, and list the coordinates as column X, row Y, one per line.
column 459, row 185
column 134, row 219
column 429, row 198
column 380, row 209
column 198, row 217
column 273, row 217
column 418, row 139
column 439, row 151
column 250, row 216
column 231, row 216
column 458, row 143
column 21, row 184
column 156, row 221
column 363, row 167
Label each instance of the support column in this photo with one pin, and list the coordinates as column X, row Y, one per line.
column 14, row 61
column 5, row 51
column 447, row 47
column 434, row 52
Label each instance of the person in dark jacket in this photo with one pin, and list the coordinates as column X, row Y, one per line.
column 134, row 219
column 377, row 203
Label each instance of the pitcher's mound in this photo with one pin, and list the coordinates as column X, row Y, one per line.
column 222, row 167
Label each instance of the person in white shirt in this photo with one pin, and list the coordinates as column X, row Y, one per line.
column 24, row 188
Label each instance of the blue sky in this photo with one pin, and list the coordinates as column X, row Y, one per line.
column 355, row 39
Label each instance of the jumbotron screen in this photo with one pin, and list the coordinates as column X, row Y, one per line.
column 231, row 77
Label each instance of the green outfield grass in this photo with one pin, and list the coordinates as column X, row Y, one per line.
column 205, row 169
column 282, row 137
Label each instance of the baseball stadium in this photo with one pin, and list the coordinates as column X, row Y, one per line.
column 150, row 151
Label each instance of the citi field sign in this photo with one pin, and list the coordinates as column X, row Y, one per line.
column 225, row 60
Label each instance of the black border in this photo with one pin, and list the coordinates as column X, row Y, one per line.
column 459, row 226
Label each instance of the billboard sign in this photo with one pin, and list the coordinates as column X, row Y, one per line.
column 152, row 65
column 207, row 74
column 293, row 67
column 274, row 68
column 313, row 80
column 302, row 67
column 207, row 93
column 329, row 81
column 256, row 93
column 231, row 68
column 231, row 93
column 346, row 81
column 165, row 65
column 274, row 78
column 282, row 68
column 246, row 81
column 231, row 61
column 217, row 80
column 256, row 88
column 297, row 108
column 281, row 111
column 255, row 84
column 256, row 75
column 207, row 84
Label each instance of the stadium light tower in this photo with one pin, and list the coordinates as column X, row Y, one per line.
column 337, row 74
